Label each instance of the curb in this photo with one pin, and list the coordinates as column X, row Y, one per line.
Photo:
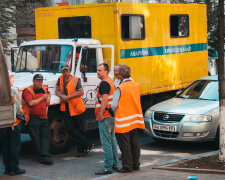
column 166, row 165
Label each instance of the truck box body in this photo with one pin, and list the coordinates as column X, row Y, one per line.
column 7, row 101
column 164, row 44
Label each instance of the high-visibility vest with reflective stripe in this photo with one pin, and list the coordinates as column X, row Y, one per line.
column 24, row 107
column 76, row 105
column 99, row 97
column 129, row 114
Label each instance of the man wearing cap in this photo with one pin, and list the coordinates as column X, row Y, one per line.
column 11, row 143
column 37, row 98
column 70, row 91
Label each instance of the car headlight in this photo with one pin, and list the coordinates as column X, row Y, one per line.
column 198, row 118
column 149, row 113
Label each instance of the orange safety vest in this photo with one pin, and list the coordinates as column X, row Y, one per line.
column 106, row 113
column 24, row 107
column 129, row 114
column 17, row 122
column 76, row 105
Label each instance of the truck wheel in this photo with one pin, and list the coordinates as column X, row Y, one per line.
column 59, row 138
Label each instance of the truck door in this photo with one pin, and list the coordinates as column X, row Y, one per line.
column 90, row 57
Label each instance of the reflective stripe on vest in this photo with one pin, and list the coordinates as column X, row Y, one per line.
column 110, row 99
column 76, row 105
column 129, row 114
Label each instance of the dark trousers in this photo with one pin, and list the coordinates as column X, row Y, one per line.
column 72, row 125
column 39, row 133
column 11, row 148
column 128, row 143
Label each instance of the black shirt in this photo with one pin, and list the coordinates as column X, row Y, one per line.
column 104, row 88
column 38, row 91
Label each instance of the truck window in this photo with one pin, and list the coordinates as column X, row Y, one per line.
column 132, row 27
column 179, row 26
column 74, row 27
column 91, row 61
column 45, row 58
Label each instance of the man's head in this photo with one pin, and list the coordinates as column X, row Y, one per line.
column 124, row 72
column 102, row 71
column 38, row 81
column 116, row 70
column 65, row 70
column 11, row 77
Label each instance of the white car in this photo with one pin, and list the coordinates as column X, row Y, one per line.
column 193, row 115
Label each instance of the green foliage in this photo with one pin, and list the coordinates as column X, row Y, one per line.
column 14, row 13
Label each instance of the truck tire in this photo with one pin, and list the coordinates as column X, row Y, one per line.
column 59, row 138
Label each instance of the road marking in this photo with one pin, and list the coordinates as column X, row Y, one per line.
column 28, row 175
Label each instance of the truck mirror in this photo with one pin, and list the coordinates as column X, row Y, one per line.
column 83, row 71
column 84, row 55
column 12, row 60
column 14, row 52
column 83, row 67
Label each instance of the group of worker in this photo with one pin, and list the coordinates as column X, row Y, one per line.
column 118, row 112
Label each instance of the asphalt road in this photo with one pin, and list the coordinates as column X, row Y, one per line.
column 68, row 167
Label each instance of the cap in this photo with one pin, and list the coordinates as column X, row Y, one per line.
column 38, row 76
column 11, row 73
column 64, row 66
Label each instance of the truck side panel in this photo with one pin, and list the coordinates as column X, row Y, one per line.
column 159, row 62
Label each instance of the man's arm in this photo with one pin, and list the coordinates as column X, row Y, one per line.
column 37, row 101
column 116, row 98
column 58, row 92
column 104, row 104
column 48, row 99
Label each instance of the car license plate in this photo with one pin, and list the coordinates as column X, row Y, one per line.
column 165, row 128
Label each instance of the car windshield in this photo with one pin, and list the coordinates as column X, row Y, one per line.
column 45, row 58
column 201, row 89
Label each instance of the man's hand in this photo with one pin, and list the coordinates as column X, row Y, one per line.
column 64, row 98
column 44, row 97
column 100, row 117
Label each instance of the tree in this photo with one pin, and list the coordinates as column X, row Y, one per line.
column 17, row 13
column 221, row 80
column 7, row 20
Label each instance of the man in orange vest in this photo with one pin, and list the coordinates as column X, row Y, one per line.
column 11, row 146
column 70, row 91
column 105, row 120
column 37, row 98
column 128, row 119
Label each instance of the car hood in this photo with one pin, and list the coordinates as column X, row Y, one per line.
column 186, row 106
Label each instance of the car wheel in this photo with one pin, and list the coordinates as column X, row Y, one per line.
column 216, row 142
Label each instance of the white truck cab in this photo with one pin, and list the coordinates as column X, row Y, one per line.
column 46, row 57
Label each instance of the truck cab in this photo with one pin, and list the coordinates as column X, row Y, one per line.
column 46, row 57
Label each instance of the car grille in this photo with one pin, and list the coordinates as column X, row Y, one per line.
column 166, row 134
column 167, row 118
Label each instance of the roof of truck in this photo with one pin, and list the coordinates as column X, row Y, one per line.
column 78, row 42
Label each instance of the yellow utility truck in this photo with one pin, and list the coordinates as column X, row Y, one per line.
column 164, row 44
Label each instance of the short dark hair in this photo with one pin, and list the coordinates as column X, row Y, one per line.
column 125, row 71
column 106, row 66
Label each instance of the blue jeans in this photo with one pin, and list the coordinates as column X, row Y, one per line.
column 108, row 140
